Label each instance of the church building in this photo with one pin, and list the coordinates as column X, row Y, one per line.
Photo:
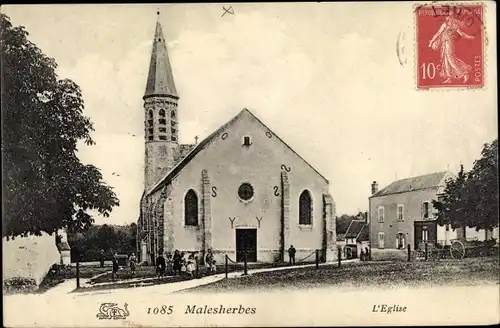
column 241, row 190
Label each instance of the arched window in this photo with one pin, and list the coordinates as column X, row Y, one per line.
column 162, row 119
column 150, row 118
column 305, row 208
column 191, row 208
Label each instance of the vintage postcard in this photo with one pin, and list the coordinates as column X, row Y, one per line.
column 265, row 164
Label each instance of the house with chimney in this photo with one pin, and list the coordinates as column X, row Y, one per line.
column 401, row 214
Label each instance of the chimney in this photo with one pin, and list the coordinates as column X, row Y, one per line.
column 374, row 187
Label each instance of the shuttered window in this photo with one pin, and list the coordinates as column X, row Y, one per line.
column 381, row 214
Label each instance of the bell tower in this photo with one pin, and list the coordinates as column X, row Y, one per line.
column 160, row 112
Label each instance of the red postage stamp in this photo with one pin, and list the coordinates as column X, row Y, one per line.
column 450, row 46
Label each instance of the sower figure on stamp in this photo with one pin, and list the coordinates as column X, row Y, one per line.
column 291, row 254
column 444, row 41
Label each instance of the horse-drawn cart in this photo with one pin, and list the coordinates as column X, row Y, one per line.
column 456, row 249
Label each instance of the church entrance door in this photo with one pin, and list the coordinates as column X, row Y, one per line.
column 246, row 241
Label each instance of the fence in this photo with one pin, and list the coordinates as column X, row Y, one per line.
column 456, row 249
column 233, row 266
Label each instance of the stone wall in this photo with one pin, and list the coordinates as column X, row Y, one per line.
column 389, row 254
column 29, row 257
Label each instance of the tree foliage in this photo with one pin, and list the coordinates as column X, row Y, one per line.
column 46, row 187
column 471, row 198
column 110, row 238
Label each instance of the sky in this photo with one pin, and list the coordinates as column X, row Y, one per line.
column 325, row 77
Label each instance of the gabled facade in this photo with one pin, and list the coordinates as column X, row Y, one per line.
column 241, row 190
column 356, row 238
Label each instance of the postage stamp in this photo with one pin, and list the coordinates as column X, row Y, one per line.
column 450, row 46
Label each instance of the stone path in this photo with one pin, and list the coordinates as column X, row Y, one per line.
column 65, row 287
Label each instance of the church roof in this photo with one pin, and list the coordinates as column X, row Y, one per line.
column 160, row 77
column 433, row 180
column 196, row 149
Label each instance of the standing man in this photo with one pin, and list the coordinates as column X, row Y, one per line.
column 101, row 258
column 132, row 261
column 161, row 265
column 291, row 254
column 209, row 258
column 115, row 266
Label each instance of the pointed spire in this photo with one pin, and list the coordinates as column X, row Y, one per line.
column 160, row 78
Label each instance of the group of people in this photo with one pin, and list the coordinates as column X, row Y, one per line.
column 176, row 264
column 365, row 255
column 132, row 262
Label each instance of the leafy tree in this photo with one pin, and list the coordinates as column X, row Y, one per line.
column 106, row 237
column 342, row 223
column 46, row 187
column 482, row 189
column 87, row 245
column 471, row 199
column 451, row 204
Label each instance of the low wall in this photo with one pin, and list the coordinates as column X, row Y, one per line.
column 29, row 257
column 389, row 254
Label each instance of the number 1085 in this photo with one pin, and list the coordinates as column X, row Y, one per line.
column 161, row 310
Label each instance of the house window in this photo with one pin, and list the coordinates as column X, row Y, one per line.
column 172, row 114
column 163, row 129
column 162, row 113
column 162, row 137
column 381, row 239
column 246, row 141
column 173, row 123
column 162, row 121
column 400, row 213
column 173, row 130
column 150, row 130
column 305, row 208
column 381, row 214
column 425, row 210
column 191, row 208
column 150, row 138
column 173, row 138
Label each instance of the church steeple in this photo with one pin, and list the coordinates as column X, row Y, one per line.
column 160, row 78
column 161, row 130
